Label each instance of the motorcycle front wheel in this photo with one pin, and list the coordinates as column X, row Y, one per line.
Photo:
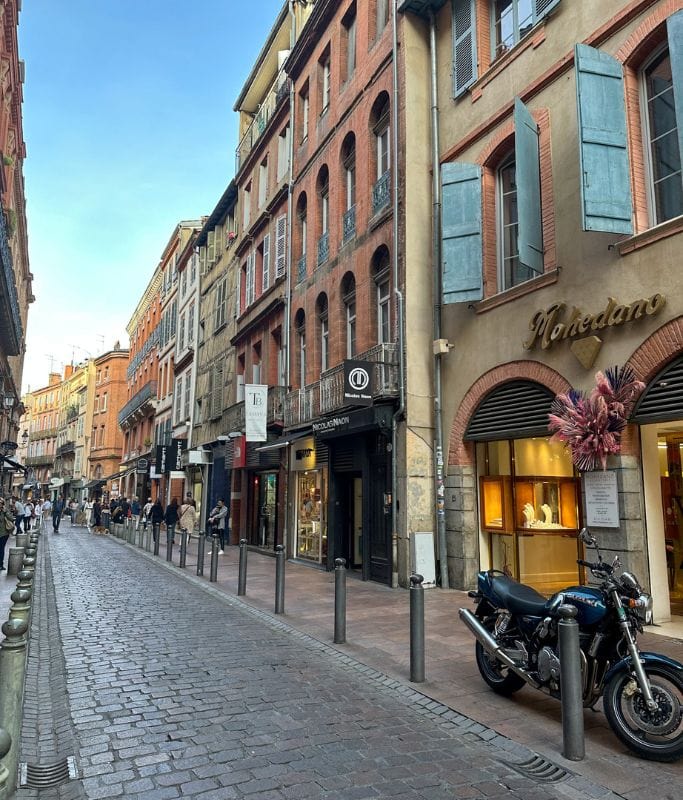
column 501, row 679
column 653, row 734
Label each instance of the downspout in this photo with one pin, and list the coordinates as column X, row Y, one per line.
column 288, row 290
column 436, row 271
column 400, row 411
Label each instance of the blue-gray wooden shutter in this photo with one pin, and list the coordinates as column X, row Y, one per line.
column 464, row 45
column 461, row 235
column 542, row 8
column 528, row 180
column 674, row 27
column 605, row 187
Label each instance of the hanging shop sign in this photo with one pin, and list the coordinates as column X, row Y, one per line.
column 358, row 383
column 602, row 499
column 555, row 324
column 302, row 454
column 169, row 456
column 256, row 412
column 142, row 466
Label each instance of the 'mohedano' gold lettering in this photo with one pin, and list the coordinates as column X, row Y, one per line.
column 548, row 327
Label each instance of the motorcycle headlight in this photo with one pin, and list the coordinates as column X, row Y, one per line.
column 629, row 582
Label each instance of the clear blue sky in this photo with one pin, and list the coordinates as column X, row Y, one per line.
column 129, row 128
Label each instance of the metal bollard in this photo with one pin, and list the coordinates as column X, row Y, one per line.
column 21, row 605
column 417, row 629
column 156, row 532
column 183, row 549
column 169, row 546
column 201, row 544
column 242, row 577
column 147, row 535
column 339, row 600
column 12, row 668
column 571, row 685
column 279, row 579
column 25, row 579
column 213, row 573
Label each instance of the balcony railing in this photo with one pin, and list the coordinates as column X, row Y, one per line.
column 67, row 447
column 384, row 359
column 11, row 330
column 349, row 224
column 48, row 433
column 38, row 461
column 301, row 269
column 302, row 405
column 233, row 418
column 381, row 193
column 276, row 95
column 323, row 248
column 142, row 401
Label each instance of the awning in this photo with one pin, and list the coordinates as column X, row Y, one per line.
column 55, row 483
column 14, row 464
column 114, row 476
column 283, row 441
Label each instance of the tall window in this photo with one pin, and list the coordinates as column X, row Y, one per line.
column 508, row 257
column 512, row 19
column 349, row 298
column 349, row 26
column 383, row 309
column 305, row 108
column 282, row 153
column 300, row 325
column 325, row 76
column 382, row 15
column 221, row 303
column 666, row 186
column 349, row 156
column 323, row 316
column 246, row 206
column 324, row 205
column 188, row 394
column 190, row 325
column 382, row 140
column 178, row 404
column 263, row 183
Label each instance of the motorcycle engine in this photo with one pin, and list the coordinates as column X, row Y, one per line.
column 548, row 665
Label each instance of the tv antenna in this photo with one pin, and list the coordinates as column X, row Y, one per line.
column 52, row 360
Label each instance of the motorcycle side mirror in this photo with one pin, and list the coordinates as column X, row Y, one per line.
column 587, row 537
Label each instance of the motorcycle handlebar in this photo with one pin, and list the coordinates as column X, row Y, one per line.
column 600, row 567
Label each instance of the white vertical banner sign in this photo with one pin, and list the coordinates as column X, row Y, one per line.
column 255, row 412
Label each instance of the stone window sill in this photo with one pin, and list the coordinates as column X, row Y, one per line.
column 522, row 289
column 650, row 236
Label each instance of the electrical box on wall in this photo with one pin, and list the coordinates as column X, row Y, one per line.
column 422, row 559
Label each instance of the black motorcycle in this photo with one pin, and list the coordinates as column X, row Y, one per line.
column 517, row 644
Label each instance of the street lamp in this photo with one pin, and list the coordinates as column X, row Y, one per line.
column 24, row 438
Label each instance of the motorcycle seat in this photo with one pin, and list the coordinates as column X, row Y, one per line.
column 518, row 598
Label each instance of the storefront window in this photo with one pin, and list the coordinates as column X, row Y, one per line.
column 528, row 497
column 311, row 540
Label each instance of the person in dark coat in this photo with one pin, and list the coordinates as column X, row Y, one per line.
column 171, row 519
column 97, row 513
column 156, row 516
column 57, row 509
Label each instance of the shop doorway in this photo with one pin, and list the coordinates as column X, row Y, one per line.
column 267, row 510
column 350, row 510
column 670, row 452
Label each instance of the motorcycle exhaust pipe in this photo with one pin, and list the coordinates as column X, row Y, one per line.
column 491, row 646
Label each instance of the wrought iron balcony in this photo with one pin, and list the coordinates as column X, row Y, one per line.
column 301, row 269
column 67, row 447
column 37, row 461
column 349, row 224
column 11, row 331
column 302, row 405
column 275, row 95
column 323, row 248
column 384, row 359
column 142, row 403
column 381, row 193
column 48, row 433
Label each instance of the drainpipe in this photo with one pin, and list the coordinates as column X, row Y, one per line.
column 400, row 411
column 436, row 271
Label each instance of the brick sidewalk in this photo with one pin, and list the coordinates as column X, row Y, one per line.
column 378, row 635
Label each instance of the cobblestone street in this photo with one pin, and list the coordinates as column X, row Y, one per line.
column 166, row 688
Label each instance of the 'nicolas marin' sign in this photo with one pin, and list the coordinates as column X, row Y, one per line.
column 555, row 324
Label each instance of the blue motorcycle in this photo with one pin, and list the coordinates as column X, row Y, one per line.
column 517, row 644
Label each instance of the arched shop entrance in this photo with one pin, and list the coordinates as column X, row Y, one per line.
column 528, row 489
column 659, row 413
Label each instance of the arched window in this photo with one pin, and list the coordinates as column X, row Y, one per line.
column 323, row 190
column 382, row 278
column 300, row 328
column 302, row 221
column 348, row 156
column 379, row 122
column 349, row 300
column 322, row 310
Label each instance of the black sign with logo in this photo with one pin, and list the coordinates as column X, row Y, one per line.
column 169, row 456
column 142, row 466
column 358, row 383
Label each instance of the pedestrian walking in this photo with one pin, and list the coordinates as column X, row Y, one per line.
column 106, row 514
column 97, row 513
column 87, row 510
column 57, row 509
column 28, row 516
column 47, row 508
column 188, row 518
column 73, row 510
column 38, row 514
column 217, row 521
column 146, row 511
column 156, row 517
column 171, row 519
column 18, row 513
column 7, row 523
column 135, row 512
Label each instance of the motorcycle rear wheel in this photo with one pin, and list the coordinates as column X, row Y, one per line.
column 657, row 735
column 501, row 679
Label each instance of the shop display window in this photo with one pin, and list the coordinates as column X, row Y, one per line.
column 311, row 540
column 528, row 503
